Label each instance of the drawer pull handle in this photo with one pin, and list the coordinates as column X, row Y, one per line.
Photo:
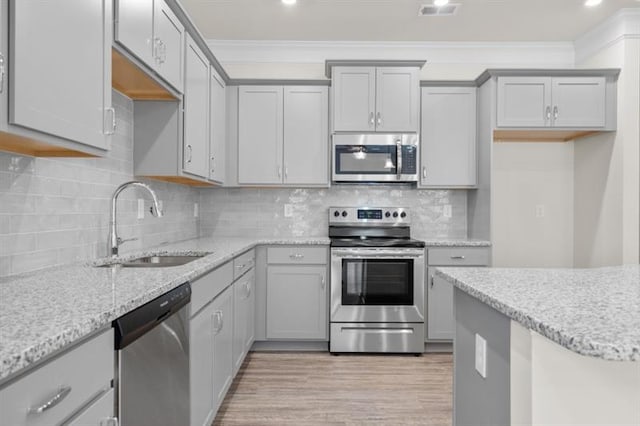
column 458, row 257
column 296, row 256
column 57, row 399
column 431, row 280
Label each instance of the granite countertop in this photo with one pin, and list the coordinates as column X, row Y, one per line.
column 593, row 312
column 456, row 243
column 44, row 311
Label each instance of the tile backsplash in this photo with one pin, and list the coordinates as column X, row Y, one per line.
column 56, row 210
column 260, row 212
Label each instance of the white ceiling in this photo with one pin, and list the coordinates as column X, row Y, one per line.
column 398, row 20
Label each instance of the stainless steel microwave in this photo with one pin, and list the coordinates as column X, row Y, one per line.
column 375, row 158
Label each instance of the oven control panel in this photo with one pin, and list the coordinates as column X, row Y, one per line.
column 369, row 215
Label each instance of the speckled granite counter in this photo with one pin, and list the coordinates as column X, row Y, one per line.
column 593, row 312
column 457, row 243
column 45, row 311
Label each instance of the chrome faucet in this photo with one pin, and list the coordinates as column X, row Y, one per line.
column 113, row 242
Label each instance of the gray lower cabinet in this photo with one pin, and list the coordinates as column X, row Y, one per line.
column 296, row 300
column 448, row 137
column 201, row 367
column 73, row 388
column 55, row 90
column 244, row 318
column 439, row 292
column 222, row 345
column 559, row 102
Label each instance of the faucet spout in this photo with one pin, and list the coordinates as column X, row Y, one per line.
column 113, row 241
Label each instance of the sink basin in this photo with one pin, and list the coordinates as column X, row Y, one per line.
column 157, row 261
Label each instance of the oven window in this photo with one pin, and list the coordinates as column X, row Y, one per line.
column 365, row 159
column 377, row 282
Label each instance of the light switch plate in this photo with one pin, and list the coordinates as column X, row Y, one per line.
column 288, row 210
column 140, row 208
column 195, row 210
column 481, row 356
column 540, row 210
column 446, row 211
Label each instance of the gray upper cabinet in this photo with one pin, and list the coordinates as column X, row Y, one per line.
column 149, row 30
column 196, row 112
column 283, row 135
column 306, row 135
column 370, row 99
column 217, row 129
column 448, row 132
column 59, row 86
column 559, row 102
column 260, row 129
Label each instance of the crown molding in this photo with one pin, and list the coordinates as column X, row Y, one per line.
column 495, row 53
column 624, row 24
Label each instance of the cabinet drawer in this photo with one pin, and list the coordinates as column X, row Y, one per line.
column 301, row 255
column 75, row 377
column 243, row 263
column 207, row 287
column 97, row 413
column 459, row 256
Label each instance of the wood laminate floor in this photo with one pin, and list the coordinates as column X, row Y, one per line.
column 276, row 388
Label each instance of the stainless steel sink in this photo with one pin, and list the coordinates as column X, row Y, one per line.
column 156, row 261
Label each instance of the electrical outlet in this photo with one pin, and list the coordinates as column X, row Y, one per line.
column 195, row 210
column 288, row 210
column 447, row 211
column 540, row 210
column 140, row 208
column 481, row 356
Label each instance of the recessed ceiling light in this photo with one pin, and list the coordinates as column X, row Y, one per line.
column 440, row 2
column 592, row 3
column 289, row 2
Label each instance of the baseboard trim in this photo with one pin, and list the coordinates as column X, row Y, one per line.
column 438, row 347
column 275, row 346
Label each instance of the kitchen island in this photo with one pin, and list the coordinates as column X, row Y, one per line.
column 546, row 346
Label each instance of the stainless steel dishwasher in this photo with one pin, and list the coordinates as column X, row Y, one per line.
column 152, row 363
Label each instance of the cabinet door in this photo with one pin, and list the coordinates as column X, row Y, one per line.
column 440, row 321
column 222, row 345
column 397, row 99
column 201, row 367
column 448, row 137
column 61, row 69
column 169, row 45
column 217, row 135
column 98, row 413
column 242, row 319
column 306, row 135
column 134, row 28
column 260, row 135
column 296, row 302
column 251, row 313
column 524, row 102
column 196, row 112
column 578, row 101
column 354, row 99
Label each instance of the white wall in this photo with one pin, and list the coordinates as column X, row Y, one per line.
column 527, row 176
column 607, row 167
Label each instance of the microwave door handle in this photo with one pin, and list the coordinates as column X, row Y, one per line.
column 399, row 158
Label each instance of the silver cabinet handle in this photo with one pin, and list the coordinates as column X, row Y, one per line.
column 213, row 165
column 190, row 157
column 457, row 257
column 431, row 280
column 424, row 172
column 399, row 158
column 555, row 112
column 1, row 73
column 247, row 289
column 156, row 49
column 379, row 120
column 110, row 421
column 371, row 122
column 55, row 400
column 113, row 121
column 296, row 256
column 163, row 52
column 218, row 322
column 279, row 171
column 286, row 172
column 323, row 283
column 547, row 112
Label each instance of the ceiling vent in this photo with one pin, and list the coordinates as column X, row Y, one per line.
column 431, row 10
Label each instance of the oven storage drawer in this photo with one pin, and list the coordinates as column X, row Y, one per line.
column 459, row 256
column 377, row 337
column 297, row 255
column 56, row 390
column 243, row 263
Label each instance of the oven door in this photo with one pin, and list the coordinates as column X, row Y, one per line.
column 377, row 285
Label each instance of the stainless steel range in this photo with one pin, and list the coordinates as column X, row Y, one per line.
column 377, row 281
